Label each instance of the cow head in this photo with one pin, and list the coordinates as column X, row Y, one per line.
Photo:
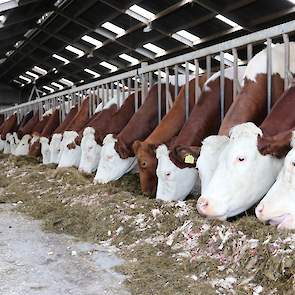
column 55, row 148
column 212, row 146
column 278, row 206
column 35, row 147
column 70, row 157
column 90, row 151
column 147, row 164
column 174, row 183
column 24, row 145
column 242, row 175
column 45, row 150
column 111, row 166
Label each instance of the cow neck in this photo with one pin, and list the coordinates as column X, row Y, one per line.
column 9, row 127
column 51, row 124
column 69, row 117
column 172, row 122
column 81, row 118
column 204, row 120
column 122, row 116
column 41, row 124
column 251, row 103
column 28, row 128
column 279, row 119
column 143, row 122
column 25, row 120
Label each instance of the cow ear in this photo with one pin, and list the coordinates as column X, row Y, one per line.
column 188, row 154
column 136, row 145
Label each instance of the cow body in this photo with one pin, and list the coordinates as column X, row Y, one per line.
column 117, row 156
column 176, row 176
column 242, row 175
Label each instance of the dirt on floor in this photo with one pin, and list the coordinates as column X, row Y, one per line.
column 168, row 248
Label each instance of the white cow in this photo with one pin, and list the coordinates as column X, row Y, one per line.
column 181, row 182
column 242, row 175
column 278, row 206
column 174, row 183
column 90, row 151
column 111, row 166
column 23, row 147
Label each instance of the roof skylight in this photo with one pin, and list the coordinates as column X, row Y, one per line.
column 32, row 74
column 95, row 74
column 183, row 34
column 75, row 50
column 228, row 21
column 142, row 12
column 48, row 88
column 64, row 60
column 113, row 28
column 66, row 82
column 25, row 79
column 129, row 58
column 92, row 41
column 109, row 66
column 60, row 87
column 39, row 70
column 154, row 48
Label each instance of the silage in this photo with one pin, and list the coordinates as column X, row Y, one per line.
column 168, row 248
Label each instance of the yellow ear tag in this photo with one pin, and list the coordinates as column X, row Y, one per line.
column 189, row 159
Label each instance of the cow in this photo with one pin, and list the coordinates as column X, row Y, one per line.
column 71, row 154
column 94, row 135
column 278, row 205
column 177, row 176
column 242, row 175
column 117, row 155
column 51, row 125
column 10, row 126
column 168, row 128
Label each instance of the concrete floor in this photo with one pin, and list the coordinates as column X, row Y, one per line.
column 33, row 262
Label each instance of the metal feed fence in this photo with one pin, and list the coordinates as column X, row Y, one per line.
column 143, row 78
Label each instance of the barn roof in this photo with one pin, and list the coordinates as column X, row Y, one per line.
column 64, row 41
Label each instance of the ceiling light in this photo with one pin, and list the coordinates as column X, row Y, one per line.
column 48, row 88
column 186, row 37
column 228, row 21
column 109, row 66
column 92, row 41
column 64, row 60
column 113, row 28
column 66, row 82
column 32, row 74
column 129, row 58
column 95, row 74
column 60, row 87
column 39, row 70
column 18, row 82
column 154, row 48
column 75, row 50
column 142, row 12
column 25, row 78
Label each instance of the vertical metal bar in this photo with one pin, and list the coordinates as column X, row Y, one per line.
column 89, row 103
column 159, row 96
column 136, row 104
column 97, row 95
column 102, row 95
column 197, row 82
column 93, row 101
column 176, row 87
column 167, row 91
column 269, row 74
column 221, row 85
column 236, row 80
column 249, row 52
column 123, row 89
column 150, row 80
column 129, row 86
column 108, row 96
column 186, row 93
column 287, row 60
column 208, row 66
column 112, row 89
column 118, row 94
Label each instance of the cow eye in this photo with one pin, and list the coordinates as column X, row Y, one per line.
column 293, row 163
column 143, row 164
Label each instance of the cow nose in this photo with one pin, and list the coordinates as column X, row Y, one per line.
column 259, row 209
column 202, row 205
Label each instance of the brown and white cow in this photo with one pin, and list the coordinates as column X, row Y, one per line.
column 109, row 122
column 241, row 174
column 9, row 126
column 176, row 171
column 168, row 128
column 117, row 156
